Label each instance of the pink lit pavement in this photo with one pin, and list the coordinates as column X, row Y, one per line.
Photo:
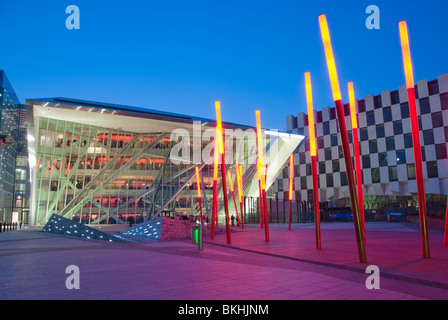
column 289, row 267
column 394, row 247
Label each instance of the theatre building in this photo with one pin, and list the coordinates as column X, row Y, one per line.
column 100, row 163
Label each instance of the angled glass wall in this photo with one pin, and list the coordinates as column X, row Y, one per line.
column 106, row 164
column 13, row 197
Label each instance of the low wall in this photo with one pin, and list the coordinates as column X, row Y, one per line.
column 433, row 223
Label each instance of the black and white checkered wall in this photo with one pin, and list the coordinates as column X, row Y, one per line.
column 386, row 148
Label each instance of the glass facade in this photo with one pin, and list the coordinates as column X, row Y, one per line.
column 14, row 174
column 104, row 164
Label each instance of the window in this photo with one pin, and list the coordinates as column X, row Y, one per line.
column 296, row 171
column 350, row 136
column 361, row 106
column 370, row 118
column 428, row 137
column 401, row 157
column 408, row 140
column 308, row 169
column 335, row 164
column 330, row 180
column 382, row 159
column 332, row 113
column 322, row 167
column 423, row 153
column 373, row 146
column 305, row 120
column 390, row 143
column 319, row 116
column 437, row 120
column 343, row 176
column 441, row 151
column 307, row 145
column 340, row 152
column 394, row 97
column 431, row 167
column 326, row 126
column 424, row 106
column 366, row 161
column 364, row 134
column 298, row 196
column 334, row 140
column 380, row 131
column 347, row 109
column 411, row 171
column 446, row 133
column 433, row 87
column 377, row 102
column 398, row 127
column 286, row 172
column 295, row 124
column 280, row 185
column 404, row 108
column 320, row 142
column 376, row 175
column 444, row 101
column 303, row 183
column 393, row 173
column 387, row 114
column 302, row 159
column 328, row 154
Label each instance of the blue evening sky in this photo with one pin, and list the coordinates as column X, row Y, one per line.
column 180, row 56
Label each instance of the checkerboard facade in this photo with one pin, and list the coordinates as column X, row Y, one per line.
column 386, row 148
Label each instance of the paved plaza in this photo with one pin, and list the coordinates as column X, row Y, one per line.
column 33, row 266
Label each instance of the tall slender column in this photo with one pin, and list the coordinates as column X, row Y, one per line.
column 415, row 138
column 344, row 136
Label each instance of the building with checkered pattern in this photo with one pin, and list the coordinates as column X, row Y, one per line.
column 386, row 150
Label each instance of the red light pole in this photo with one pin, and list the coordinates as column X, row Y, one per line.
column 313, row 151
column 260, row 195
column 239, row 174
column 223, row 168
column 291, row 181
column 198, row 182
column 415, row 137
column 344, row 136
column 351, row 93
column 234, row 200
column 263, row 174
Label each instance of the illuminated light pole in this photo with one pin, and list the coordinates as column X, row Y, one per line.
column 344, row 136
column 262, row 174
column 215, row 187
column 407, row 62
column 234, row 200
column 261, row 195
column 353, row 113
column 198, row 181
column 313, row 151
column 291, row 179
column 239, row 171
column 223, row 168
